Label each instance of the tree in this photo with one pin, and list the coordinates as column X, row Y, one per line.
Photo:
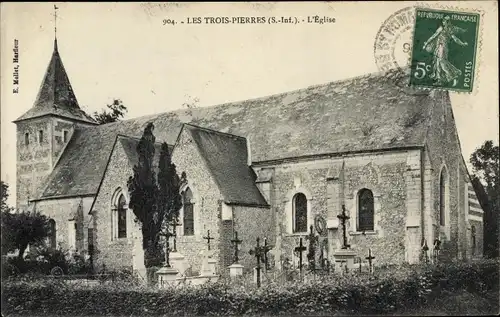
column 22, row 229
column 485, row 163
column 116, row 111
column 153, row 203
column 169, row 198
column 4, row 195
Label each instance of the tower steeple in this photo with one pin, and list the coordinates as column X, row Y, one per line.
column 56, row 96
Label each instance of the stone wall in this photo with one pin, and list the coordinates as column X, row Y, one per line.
column 444, row 153
column 62, row 211
column 207, row 204
column 384, row 173
column 252, row 223
column 34, row 160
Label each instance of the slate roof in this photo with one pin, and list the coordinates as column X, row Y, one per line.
column 129, row 145
column 227, row 160
column 370, row 112
column 56, row 96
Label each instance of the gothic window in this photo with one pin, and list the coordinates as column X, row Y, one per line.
column 65, row 136
column 40, row 136
column 442, row 198
column 188, row 213
column 473, row 236
column 299, row 213
column 52, row 233
column 90, row 239
column 26, row 138
column 365, row 210
column 122, row 217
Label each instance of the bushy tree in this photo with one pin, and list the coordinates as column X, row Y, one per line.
column 22, row 229
column 169, row 198
column 486, row 182
column 116, row 110
column 154, row 203
column 4, row 195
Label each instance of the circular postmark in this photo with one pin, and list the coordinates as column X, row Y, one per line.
column 393, row 43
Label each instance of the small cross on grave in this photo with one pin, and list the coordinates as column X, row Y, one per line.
column 343, row 218
column 425, row 248
column 265, row 250
column 437, row 247
column 208, row 238
column 301, row 248
column 168, row 250
column 359, row 262
column 370, row 258
column 236, row 242
column 175, row 223
column 310, row 255
column 257, row 252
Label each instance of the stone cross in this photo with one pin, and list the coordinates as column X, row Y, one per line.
column 167, row 234
column 208, row 238
column 175, row 223
column 312, row 240
column 301, row 248
column 343, row 218
column 370, row 258
column 257, row 252
column 265, row 250
column 437, row 247
column 425, row 248
column 236, row 241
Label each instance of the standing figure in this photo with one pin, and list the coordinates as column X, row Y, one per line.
column 442, row 70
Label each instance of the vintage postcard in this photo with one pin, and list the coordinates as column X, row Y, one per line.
column 258, row 158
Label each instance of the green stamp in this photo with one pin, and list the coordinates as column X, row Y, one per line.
column 444, row 49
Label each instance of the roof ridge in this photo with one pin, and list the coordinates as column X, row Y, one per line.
column 226, row 104
column 213, row 131
column 121, row 135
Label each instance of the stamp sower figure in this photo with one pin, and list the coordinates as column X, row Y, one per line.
column 437, row 44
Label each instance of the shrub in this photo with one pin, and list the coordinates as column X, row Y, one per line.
column 408, row 287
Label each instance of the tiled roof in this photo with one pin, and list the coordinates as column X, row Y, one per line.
column 227, row 160
column 56, row 96
column 361, row 114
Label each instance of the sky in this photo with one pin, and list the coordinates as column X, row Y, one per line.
column 126, row 51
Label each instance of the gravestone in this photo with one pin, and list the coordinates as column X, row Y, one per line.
column 208, row 263
column 167, row 276
column 178, row 261
column 138, row 265
column 344, row 258
column 236, row 269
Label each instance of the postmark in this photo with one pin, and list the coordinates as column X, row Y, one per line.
column 392, row 46
column 444, row 49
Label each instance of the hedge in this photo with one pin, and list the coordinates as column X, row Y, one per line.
column 386, row 292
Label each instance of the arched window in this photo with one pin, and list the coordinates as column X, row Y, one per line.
column 40, row 136
column 442, row 198
column 52, row 234
column 473, row 236
column 122, row 216
column 188, row 213
column 299, row 213
column 365, row 210
column 26, row 138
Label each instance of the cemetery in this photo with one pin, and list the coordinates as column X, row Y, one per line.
column 354, row 284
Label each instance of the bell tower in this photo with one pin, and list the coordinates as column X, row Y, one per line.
column 44, row 131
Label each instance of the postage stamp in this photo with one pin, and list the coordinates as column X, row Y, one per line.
column 444, row 49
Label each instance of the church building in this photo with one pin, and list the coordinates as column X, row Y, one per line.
column 385, row 154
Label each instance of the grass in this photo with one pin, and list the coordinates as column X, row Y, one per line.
column 458, row 303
